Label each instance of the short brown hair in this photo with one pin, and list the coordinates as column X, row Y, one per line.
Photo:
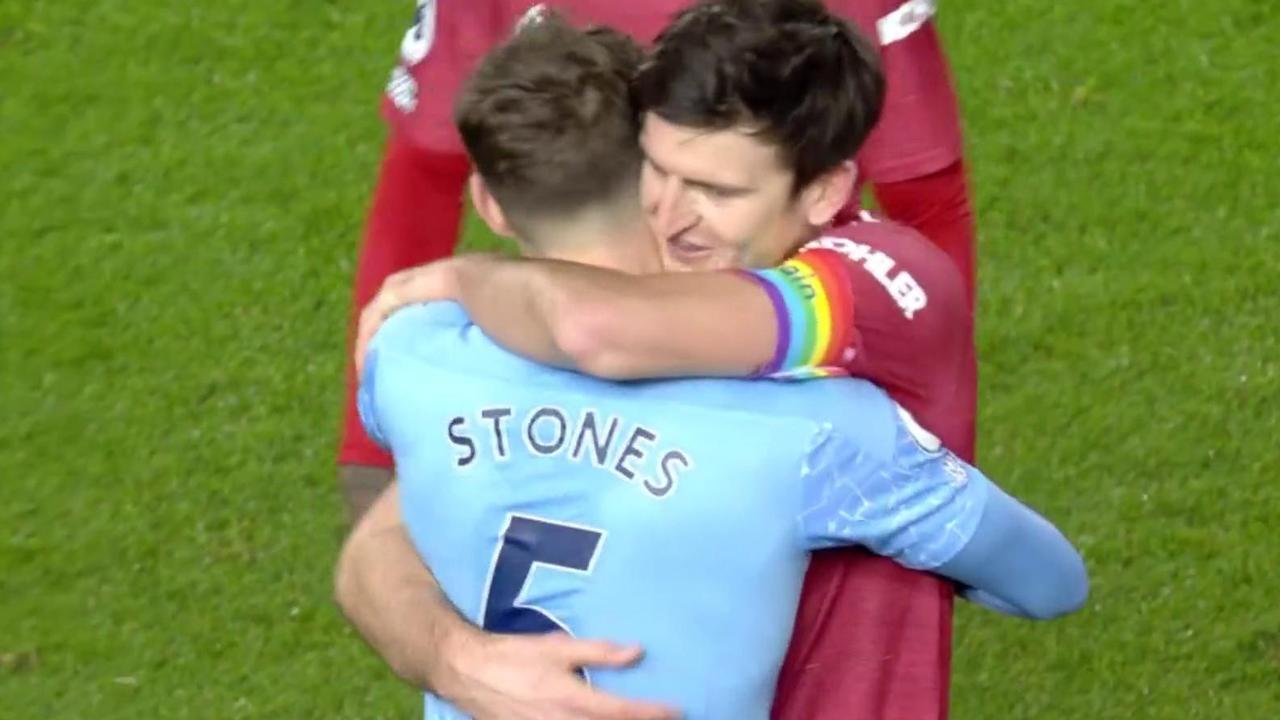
column 802, row 78
column 548, row 119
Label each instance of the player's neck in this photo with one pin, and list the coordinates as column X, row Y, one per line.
column 608, row 241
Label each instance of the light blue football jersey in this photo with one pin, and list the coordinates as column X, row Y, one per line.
column 675, row 515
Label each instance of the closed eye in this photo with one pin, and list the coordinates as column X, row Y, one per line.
column 719, row 192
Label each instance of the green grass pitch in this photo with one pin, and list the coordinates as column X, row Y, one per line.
column 183, row 189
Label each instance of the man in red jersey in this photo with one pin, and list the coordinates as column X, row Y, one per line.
column 913, row 158
column 871, row 640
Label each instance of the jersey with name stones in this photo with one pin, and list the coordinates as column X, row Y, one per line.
column 675, row 515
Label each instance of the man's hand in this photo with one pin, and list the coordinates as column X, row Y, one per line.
column 534, row 677
column 433, row 281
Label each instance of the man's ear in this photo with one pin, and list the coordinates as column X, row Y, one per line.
column 487, row 207
column 829, row 192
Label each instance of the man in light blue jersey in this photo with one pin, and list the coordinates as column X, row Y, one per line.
column 673, row 515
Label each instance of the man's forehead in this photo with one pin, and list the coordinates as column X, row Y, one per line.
column 728, row 155
column 659, row 129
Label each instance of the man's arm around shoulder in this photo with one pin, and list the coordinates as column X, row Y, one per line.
column 619, row 326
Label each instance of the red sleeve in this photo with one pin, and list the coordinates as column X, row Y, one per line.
column 912, row 315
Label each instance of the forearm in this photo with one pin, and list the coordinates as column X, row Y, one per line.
column 616, row 325
column 394, row 601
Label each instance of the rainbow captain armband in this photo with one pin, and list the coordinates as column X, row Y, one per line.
column 812, row 296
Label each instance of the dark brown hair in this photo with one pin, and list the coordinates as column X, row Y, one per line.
column 548, row 119
column 802, row 78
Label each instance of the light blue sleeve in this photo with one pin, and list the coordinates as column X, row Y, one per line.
column 928, row 510
column 1018, row 563
column 916, row 503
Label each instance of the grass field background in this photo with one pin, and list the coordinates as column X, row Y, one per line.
column 183, row 190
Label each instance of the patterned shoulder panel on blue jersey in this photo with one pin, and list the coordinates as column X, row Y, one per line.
column 919, row 504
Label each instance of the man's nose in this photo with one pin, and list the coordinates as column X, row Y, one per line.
column 674, row 211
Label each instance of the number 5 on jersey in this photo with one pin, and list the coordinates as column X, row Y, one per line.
column 528, row 542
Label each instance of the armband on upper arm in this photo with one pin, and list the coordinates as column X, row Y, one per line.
column 812, row 297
